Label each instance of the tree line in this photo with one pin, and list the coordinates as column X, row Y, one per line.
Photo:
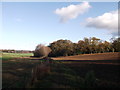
column 15, row 51
column 86, row 46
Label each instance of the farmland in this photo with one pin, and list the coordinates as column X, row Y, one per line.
column 80, row 71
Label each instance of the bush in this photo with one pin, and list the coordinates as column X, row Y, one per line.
column 42, row 51
column 90, row 80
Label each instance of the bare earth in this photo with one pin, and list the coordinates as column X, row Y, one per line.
column 98, row 56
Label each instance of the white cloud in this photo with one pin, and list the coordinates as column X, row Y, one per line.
column 108, row 21
column 72, row 11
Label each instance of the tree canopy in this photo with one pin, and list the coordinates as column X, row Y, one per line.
column 87, row 45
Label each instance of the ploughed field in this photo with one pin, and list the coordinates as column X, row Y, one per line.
column 98, row 56
column 106, row 67
column 79, row 71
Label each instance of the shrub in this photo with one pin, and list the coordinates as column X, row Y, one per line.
column 42, row 51
column 90, row 80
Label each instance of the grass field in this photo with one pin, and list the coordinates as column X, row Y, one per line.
column 81, row 71
column 7, row 56
column 15, row 70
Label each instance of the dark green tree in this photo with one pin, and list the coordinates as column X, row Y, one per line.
column 116, row 44
column 61, row 48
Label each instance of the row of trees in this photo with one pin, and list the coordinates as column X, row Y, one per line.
column 85, row 46
column 15, row 51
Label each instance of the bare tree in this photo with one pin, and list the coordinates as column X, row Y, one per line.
column 42, row 51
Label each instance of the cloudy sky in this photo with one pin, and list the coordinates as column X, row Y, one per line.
column 26, row 24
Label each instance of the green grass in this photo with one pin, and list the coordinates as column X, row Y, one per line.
column 8, row 56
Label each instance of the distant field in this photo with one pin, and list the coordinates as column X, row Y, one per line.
column 7, row 56
column 80, row 71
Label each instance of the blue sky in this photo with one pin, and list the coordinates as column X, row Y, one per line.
column 26, row 24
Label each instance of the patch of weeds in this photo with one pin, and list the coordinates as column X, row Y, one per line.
column 62, row 75
column 90, row 80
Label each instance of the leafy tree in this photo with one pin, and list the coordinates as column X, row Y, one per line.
column 87, row 45
column 107, row 46
column 94, row 42
column 81, row 46
column 61, row 48
column 116, row 44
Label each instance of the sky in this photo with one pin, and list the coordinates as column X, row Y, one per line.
column 27, row 24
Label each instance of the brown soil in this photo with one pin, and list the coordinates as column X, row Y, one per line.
column 98, row 56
